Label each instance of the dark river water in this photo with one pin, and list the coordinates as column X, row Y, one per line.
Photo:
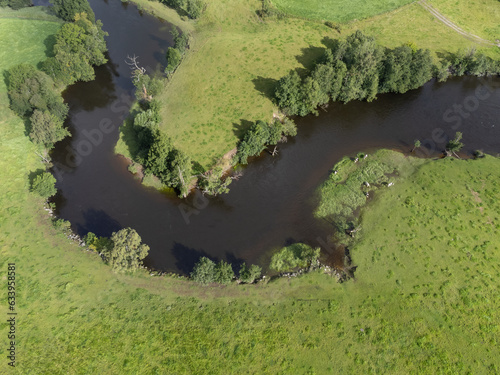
column 272, row 204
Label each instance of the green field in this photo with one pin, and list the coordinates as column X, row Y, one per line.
column 228, row 76
column 479, row 17
column 425, row 298
column 337, row 10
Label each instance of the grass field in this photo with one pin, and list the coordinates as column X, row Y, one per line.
column 228, row 77
column 337, row 10
column 479, row 17
column 425, row 298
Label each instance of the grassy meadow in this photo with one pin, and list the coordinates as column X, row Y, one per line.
column 337, row 10
column 479, row 17
column 228, row 77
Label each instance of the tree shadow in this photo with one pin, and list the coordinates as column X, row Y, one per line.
column 234, row 262
column 187, row 257
column 49, row 43
column 310, row 55
column 330, row 43
column 34, row 174
column 266, row 86
column 99, row 223
column 129, row 135
column 240, row 129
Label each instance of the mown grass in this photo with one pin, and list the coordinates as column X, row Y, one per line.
column 228, row 77
column 337, row 10
column 479, row 17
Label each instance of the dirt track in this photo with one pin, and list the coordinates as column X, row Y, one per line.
column 450, row 24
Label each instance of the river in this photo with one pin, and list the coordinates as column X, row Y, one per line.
column 272, row 204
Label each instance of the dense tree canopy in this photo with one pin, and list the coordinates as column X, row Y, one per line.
column 67, row 9
column 127, row 250
column 44, row 185
column 79, row 46
column 354, row 69
column 16, row 4
column 46, row 129
column 30, row 89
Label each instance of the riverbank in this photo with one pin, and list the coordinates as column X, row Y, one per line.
column 206, row 110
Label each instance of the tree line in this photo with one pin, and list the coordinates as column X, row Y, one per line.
column 192, row 8
column 35, row 95
column 358, row 69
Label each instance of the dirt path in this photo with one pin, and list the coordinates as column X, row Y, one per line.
column 451, row 25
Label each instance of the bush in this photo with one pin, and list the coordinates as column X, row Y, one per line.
column 204, row 271
column 44, row 185
column 293, row 256
column 223, row 273
column 249, row 274
column 174, row 57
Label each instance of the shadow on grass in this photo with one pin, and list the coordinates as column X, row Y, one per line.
column 128, row 137
column 309, row 57
column 34, row 174
column 266, row 86
column 49, row 42
column 240, row 129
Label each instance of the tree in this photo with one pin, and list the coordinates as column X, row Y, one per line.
column 455, row 145
column 213, row 183
column 67, row 9
column 174, row 57
column 127, row 250
column 194, row 8
column 288, row 93
column 204, row 271
column 46, row 128
column 256, row 138
column 31, row 89
column 362, row 58
column 249, row 274
column 416, row 144
column 44, row 185
column 80, row 45
column 223, row 273
column 157, row 161
column 17, row 4
column 180, row 171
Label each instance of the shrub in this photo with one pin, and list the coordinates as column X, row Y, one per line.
column 174, row 57
column 126, row 251
column 204, row 271
column 44, row 185
column 293, row 256
column 249, row 274
column 223, row 273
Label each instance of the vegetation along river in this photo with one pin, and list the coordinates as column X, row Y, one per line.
column 272, row 204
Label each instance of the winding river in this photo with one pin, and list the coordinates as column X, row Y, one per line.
column 272, row 203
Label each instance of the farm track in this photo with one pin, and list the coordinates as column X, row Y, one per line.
column 451, row 25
